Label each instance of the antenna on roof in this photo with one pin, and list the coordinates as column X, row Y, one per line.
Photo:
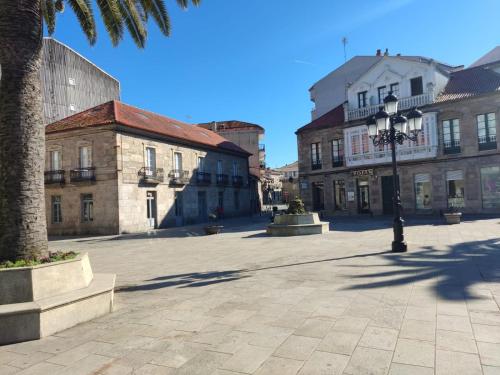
column 344, row 42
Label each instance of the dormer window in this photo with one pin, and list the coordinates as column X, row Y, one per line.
column 382, row 93
column 417, row 86
column 362, row 99
column 394, row 88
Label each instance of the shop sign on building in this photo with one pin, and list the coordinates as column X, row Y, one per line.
column 362, row 172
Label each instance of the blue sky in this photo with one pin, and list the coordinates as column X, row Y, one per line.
column 254, row 60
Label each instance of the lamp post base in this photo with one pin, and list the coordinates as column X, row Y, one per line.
column 399, row 247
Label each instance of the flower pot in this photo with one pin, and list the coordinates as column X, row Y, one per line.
column 213, row 229
column 453, row 217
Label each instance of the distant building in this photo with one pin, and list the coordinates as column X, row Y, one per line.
column 250, row 138
column 290, row 181
column 272, row 186
column 71, row 83
column 455, row 163
column 115, row 168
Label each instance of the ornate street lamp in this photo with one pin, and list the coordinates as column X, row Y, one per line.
column 389, row 127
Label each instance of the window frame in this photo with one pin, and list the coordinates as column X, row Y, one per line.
column 89, row 157
column 56, row 214
column 385, row 93
column 490, row 142
column 391, row 89
column 453, row 125
column 362, row 96
column 85, row 200
column 337, row 152
column 419, row 84
column 316, row 151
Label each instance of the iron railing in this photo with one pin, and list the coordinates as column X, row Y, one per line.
column 178, row 177
column 151, row 175
column 222, row 179
column 237, row 181
column 203, row 178
column 54, row 177
column 82, row 174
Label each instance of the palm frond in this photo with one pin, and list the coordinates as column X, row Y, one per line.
column 49, row 15
column 112, row 18
column 133, row 21
column 85, row 16
column 185, row 3
column 157, row 9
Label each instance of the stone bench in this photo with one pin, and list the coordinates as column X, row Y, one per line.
column 41, row 300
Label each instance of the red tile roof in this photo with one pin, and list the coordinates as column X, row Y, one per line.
column 470, row 82
column 115, row 112
column 231, row 125
column 333, row 118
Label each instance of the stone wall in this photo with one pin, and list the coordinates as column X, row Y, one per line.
column 132, row 193
column 104, row 189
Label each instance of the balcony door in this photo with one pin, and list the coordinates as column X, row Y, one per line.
column 177, row 164
column 85, row 157
column 55, row 160
column 150, row 161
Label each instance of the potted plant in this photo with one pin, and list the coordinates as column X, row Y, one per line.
column 213, row 227
column 453, row 216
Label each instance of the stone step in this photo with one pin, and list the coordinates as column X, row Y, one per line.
column 44, row 317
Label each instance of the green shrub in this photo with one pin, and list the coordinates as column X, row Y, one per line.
column 53, row 257
column 296, row 207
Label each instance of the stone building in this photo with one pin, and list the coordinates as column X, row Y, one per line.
column 250, row 138
column 71, row 83
column 289, row 181
column 455, row 162
column 116, row 169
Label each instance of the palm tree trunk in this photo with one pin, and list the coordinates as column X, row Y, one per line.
column 23, row 231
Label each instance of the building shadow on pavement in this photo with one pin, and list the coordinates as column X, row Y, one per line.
column 451, row 273
column 198, row 279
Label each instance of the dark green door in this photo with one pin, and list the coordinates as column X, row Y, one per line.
column 387, row 193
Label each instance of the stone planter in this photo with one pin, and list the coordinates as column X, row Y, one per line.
column 297, row 225
column 41, row 300
column 213, row 229
column 453, row 217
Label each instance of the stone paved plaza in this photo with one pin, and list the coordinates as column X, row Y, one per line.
column 244, row 303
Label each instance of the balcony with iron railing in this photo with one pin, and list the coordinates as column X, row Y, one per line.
column 82, row 174
column 178, row 177
column 203, row 178
column 222, row 179
column 55, row 177
column 237, row 181
column 403, row 104
column 384, row 156
column 337, row 160
column 150, row 175
column 451, row 147
column 487, row 142
column 316, row 164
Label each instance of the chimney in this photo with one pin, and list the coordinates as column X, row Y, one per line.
column 379, row 52
column 386, row 53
